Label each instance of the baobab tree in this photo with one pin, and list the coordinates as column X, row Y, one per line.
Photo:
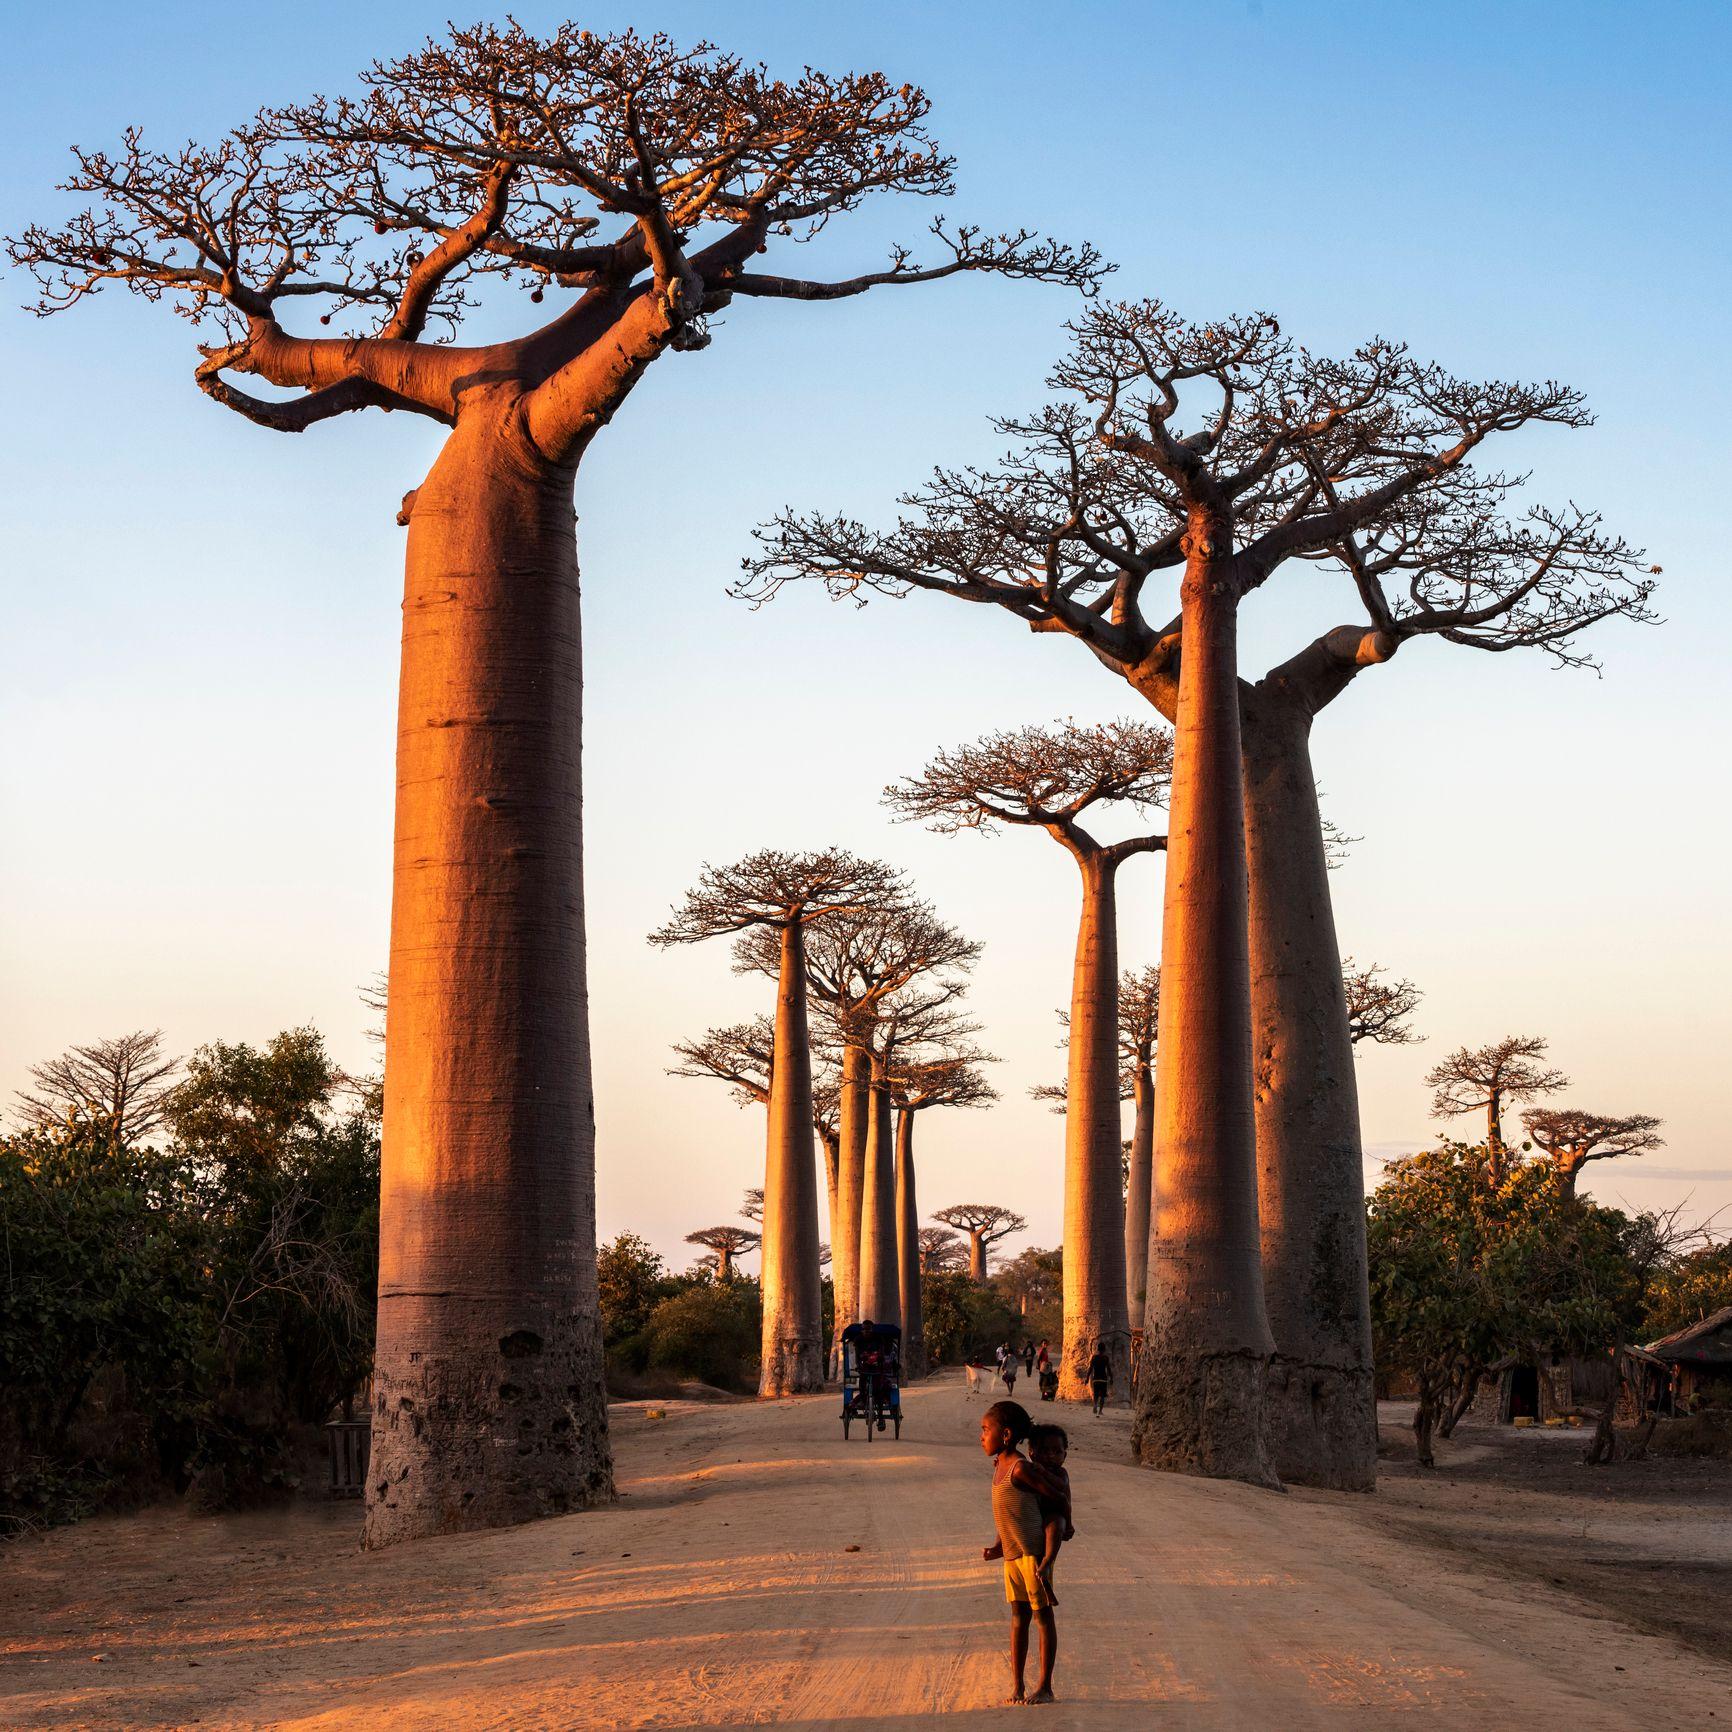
column 1378, row 1009
column 1048, row 778
column 1569, row 1138
column 1365, row 465
column 1139, row 1013
column 1489, row 1078
column 942, row 1252
column 855, row 964
column 914, row 1021
column 1139, row 1010
column 724, row 1244
column 784, row 894
column 743, row 1055
column 632, row 183
column 985, row 1224
column 126, row 1080
column 933, row 1074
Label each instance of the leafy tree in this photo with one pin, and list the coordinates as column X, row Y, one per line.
column 101, row 1274
column 1472, row 1259
column 242, row 1111
column 1687, row 1289
column 709, row 1331
column 632, row 1279
column 963, row 1319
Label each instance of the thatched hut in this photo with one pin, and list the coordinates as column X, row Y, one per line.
column 1701, row 1361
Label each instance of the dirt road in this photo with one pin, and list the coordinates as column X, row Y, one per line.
column 722, row 1591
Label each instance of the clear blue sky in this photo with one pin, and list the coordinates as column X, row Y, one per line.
column 199, row 654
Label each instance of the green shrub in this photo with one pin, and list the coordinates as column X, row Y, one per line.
column 710, row 1332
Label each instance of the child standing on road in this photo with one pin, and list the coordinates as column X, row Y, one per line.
column 1018, row 1486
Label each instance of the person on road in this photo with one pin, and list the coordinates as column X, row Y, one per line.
column 1028, row 1358
column 1018, row 1486
column 1008, row 1367
column 1101, row 1376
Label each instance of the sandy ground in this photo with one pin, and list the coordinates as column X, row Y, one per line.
column 723, row 1591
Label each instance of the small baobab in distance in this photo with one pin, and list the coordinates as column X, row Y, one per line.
column 1488, row 1079
column 1569, row 1138
column 726, row 1245
column 985, row 1224
column 626, row 186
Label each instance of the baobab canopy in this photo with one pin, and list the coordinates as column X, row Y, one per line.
column 499, row 154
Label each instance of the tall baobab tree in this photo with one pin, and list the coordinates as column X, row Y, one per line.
column 724, row 1244
column 941, row 1251
column 327, row 248
column 1048, row 778
column 945, row 1078
column 784, row 894
column 1365, row 465
column 743, row 1055
column 985, row 1224
column 127, row 1079
column 856, row 964
column 1378, row 1009
column 1569, row 1138
column 1489, row 1078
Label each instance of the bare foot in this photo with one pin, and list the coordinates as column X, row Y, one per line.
column 1015, row 1699
column 1043, row 1694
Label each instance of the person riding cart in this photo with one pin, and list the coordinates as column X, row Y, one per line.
column 871, row 1376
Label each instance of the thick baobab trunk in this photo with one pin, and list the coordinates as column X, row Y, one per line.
column 1138, row 1193
column 880, row 1295
column 1322, row 1410
column 976, row 1258
column 1200, row 1393
column 852, row 1114
column 793, row 1338
column 908, row 1250
column 488, row 1401
column 1094, row 1222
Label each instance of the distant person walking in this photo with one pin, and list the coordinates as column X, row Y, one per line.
column 1007, row 1369
column 1101, row 1376
column 1028, row 1358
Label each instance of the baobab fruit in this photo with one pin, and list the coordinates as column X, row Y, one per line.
column 535, row 294
column 380, row 228
column 324, row 318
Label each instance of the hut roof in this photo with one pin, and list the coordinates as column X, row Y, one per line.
column 1709, row 1339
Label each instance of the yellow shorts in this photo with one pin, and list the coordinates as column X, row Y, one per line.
column 1024, row 1586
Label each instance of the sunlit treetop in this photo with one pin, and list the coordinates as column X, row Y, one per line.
column 622, row 167
column 1168, row 435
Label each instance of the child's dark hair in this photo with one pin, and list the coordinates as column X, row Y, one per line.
column 1048, row 1434
column 1013, row 1416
